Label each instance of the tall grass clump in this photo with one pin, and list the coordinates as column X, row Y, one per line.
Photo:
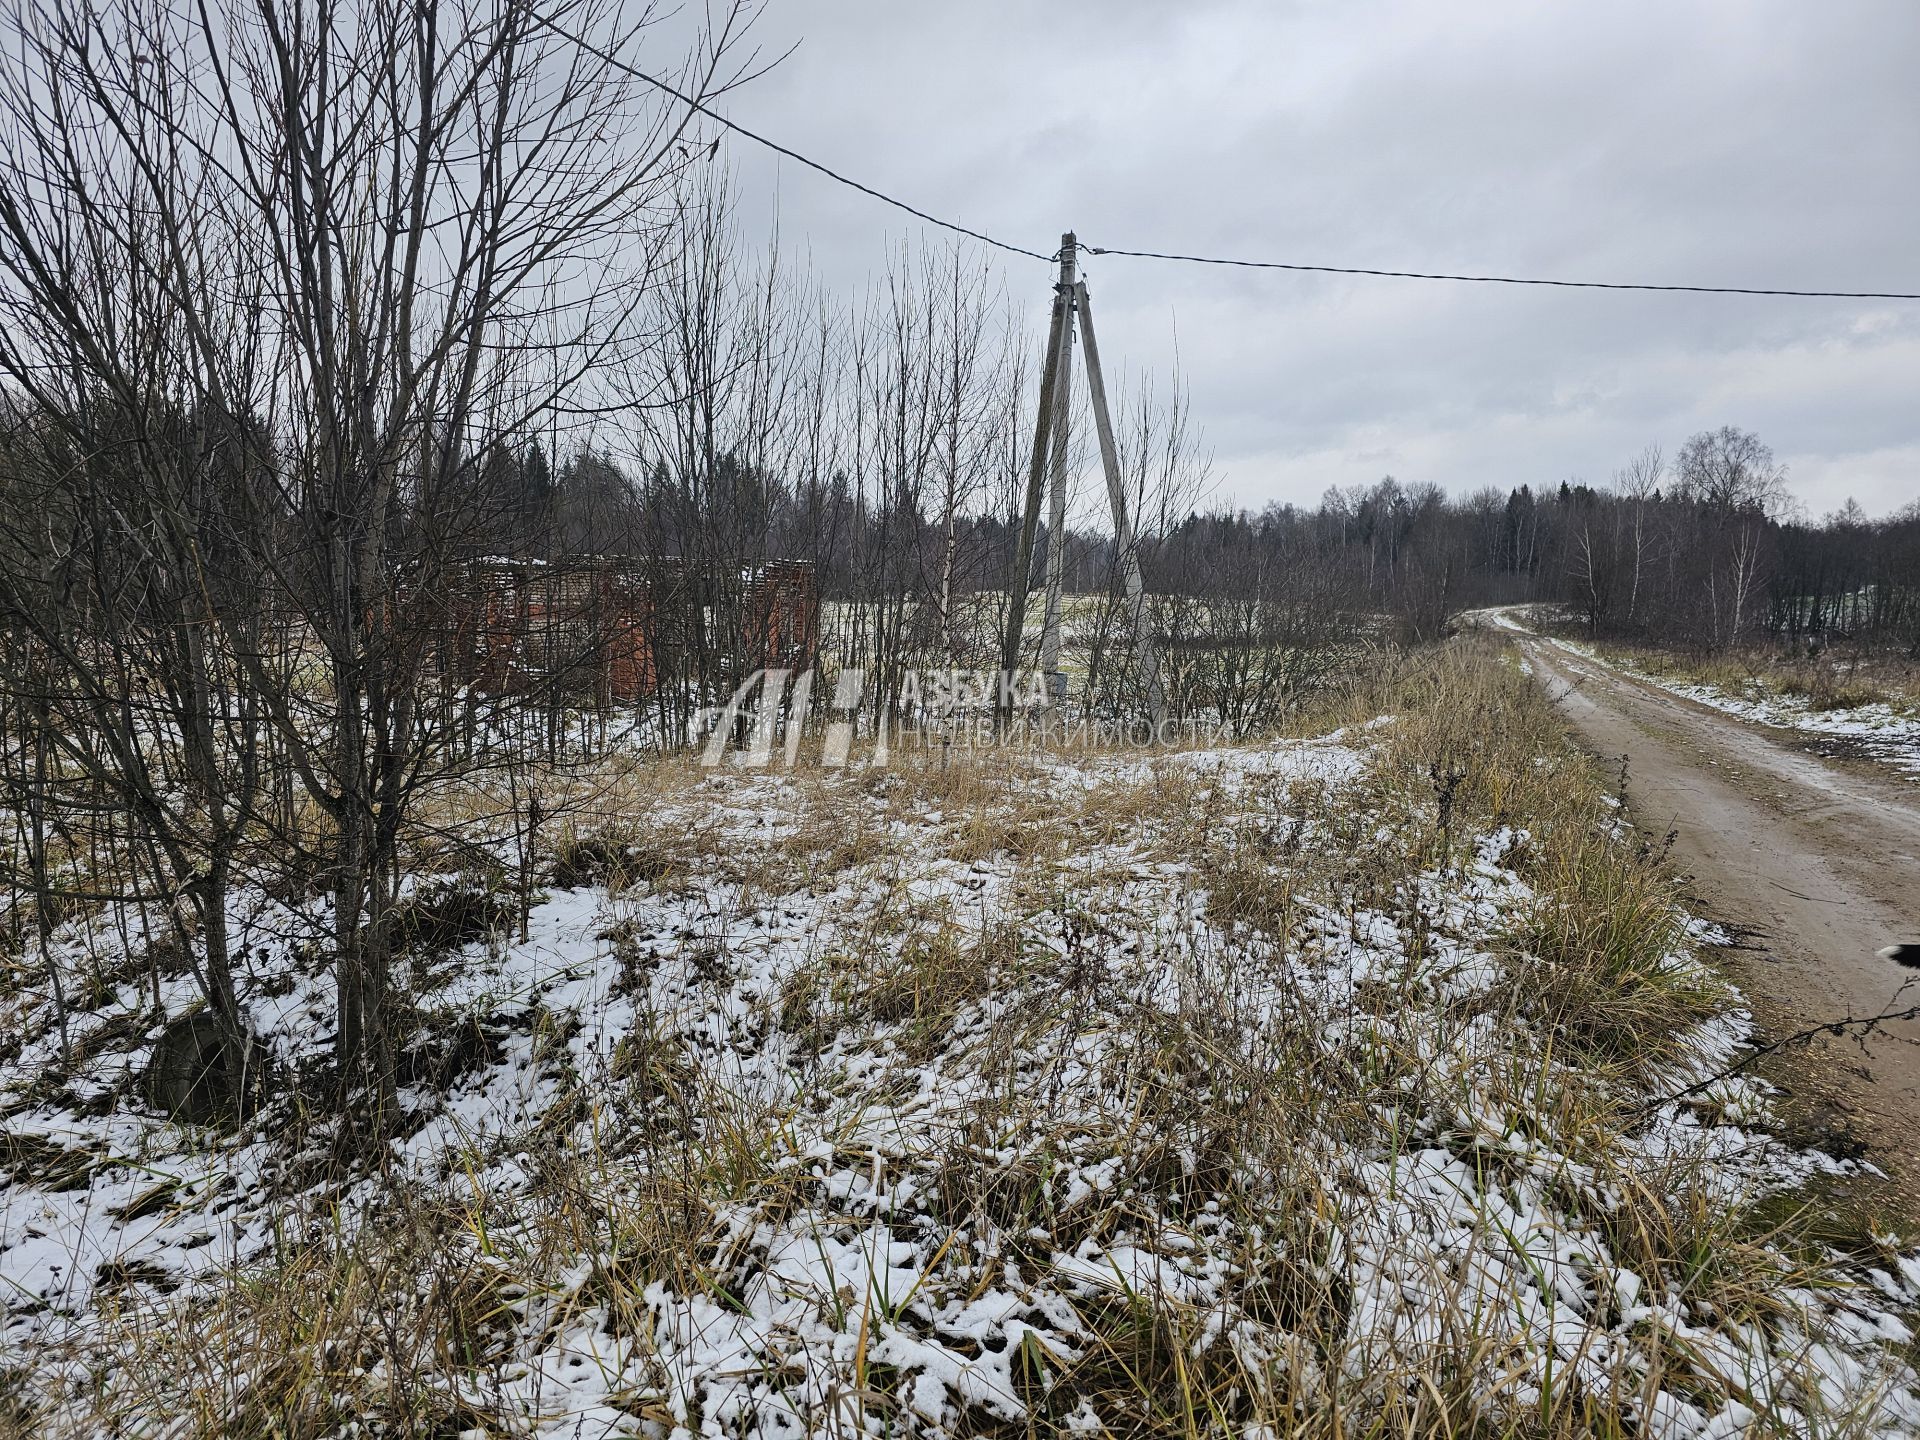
column 1603, row 956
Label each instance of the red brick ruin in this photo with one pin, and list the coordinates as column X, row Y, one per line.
column 609, row 629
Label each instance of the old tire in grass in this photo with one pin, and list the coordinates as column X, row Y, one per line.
column 199, row 1077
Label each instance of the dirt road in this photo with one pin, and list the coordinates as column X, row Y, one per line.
column 1815, row 866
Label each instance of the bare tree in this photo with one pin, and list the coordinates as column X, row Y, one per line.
column 1729, row 469
column 1164, row 475
column 967, row 406
column 119, row 562
column 396, row 238
column 1638, row 481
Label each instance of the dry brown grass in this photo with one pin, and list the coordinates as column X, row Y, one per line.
column 1604, row 957
column 1840, row 678
column 1213, row 1110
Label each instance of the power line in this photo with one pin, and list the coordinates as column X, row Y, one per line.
column 1507, row 279
column 779, row 149
column 692, row 104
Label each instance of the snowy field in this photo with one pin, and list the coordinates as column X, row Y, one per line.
column 1058, row 1095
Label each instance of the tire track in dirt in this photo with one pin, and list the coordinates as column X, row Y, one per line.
column 1817, row 867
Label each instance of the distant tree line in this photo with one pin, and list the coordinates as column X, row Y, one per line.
column 1702, row 553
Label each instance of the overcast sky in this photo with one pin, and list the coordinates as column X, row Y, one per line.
column 1745, row 142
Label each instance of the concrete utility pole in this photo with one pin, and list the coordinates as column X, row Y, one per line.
column 1050, row 439
column 1057, row 500
column 1058, row 338
column 1125, row 543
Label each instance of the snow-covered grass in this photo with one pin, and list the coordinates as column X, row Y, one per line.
column 1870, row 701
column 1315, row 1087
column 1816, row 698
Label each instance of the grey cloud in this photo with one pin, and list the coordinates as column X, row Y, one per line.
column 1770, row 143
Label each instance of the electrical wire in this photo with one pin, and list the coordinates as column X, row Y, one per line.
column 1507, row 279
column 695, row 105
column 779, row 149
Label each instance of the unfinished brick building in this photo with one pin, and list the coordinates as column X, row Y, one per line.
column 603, row 629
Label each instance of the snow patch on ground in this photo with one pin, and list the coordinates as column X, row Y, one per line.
column 959, row 1206
column 1889, row 733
